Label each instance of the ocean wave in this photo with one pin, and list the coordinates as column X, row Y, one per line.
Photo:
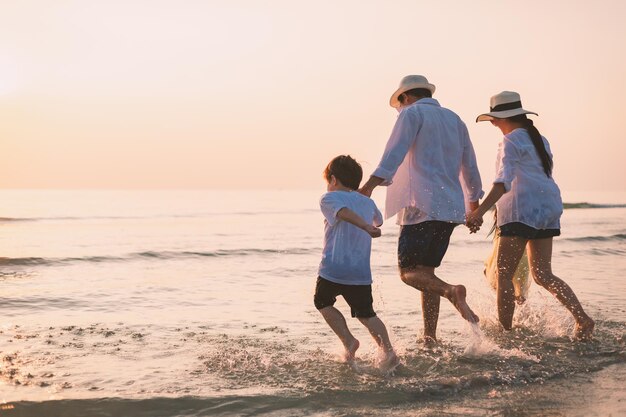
column 586, row 205
column 612, row 252
column 223, row 253
column 66, row 218
column 616, row 237
column 262, row 252
column 155, row 255
column 13, row 219
column 566, row 206
column 158, row 216
column 36, row 261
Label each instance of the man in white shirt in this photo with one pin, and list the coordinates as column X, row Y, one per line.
column 430, row 170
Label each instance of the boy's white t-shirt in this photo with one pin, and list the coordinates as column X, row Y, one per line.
column 346, row 254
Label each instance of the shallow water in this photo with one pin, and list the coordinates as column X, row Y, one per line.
column 200, row 303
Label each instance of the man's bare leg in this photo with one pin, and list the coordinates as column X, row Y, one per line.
column 423, row 278
column 430, row 313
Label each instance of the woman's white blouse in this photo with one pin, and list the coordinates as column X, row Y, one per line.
column 531, row 196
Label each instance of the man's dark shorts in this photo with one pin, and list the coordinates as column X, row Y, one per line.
column 527, row 232
column 423, row 244
column 358, row 297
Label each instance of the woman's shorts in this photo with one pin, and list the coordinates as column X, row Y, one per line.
column 358, row 297
column 424, row 244
column 527, row 232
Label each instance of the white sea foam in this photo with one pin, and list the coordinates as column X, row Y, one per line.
column 479, row 345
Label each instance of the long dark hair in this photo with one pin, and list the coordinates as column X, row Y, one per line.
column 537, row 140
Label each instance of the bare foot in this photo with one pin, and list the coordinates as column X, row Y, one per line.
column 519, row 299
column 429, row 342
column 584, row 329
column 350, row 353
column 457, row 298
column 389, row 362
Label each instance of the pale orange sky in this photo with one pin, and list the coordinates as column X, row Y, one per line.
column 249, row 94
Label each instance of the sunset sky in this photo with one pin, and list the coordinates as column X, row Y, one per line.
column 262, row 94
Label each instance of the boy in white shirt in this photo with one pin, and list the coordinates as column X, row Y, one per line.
column 351, row 221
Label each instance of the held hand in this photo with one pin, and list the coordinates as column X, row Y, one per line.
column 366, row 191
column 370, row 184
column 373, row 231
column 473, row 221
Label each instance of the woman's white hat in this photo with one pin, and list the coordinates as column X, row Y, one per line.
column 409, row 83
column 503, row 105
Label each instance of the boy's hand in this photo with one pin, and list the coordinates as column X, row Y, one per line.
column 369, row 186
column 373, row 231
column 366, row 191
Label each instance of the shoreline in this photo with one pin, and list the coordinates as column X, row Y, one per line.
column 598, row 393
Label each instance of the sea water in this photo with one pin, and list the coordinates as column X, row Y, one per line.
column 164, row 303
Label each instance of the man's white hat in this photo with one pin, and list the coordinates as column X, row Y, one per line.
column 409, row 83
column 503, row 105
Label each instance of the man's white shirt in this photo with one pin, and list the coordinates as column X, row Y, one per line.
column 429, row 166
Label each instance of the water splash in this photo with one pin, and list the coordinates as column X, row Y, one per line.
column 479, row 345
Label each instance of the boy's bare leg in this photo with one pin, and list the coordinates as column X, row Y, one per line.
column 338, row 324
column 510, row 252
column 424, row 279
column 379, row 332
column 540, row 257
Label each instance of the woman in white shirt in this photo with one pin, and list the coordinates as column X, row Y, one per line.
column 529, row 208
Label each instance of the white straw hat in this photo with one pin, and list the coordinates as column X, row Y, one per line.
column 409, row 83
column 503, row 105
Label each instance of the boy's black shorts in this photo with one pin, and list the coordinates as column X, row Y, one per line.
column 358, row 297
column 424, row 244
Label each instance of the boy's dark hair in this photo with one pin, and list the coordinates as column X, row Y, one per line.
column 346, row 169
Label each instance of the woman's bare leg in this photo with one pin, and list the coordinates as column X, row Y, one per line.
column 540, row 258
column 510, row 251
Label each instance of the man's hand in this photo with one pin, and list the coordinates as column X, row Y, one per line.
column 473, row 221
column 373, row 231
column 366, row 191
column 369, row 186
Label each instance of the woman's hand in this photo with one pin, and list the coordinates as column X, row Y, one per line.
column 473, row 221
